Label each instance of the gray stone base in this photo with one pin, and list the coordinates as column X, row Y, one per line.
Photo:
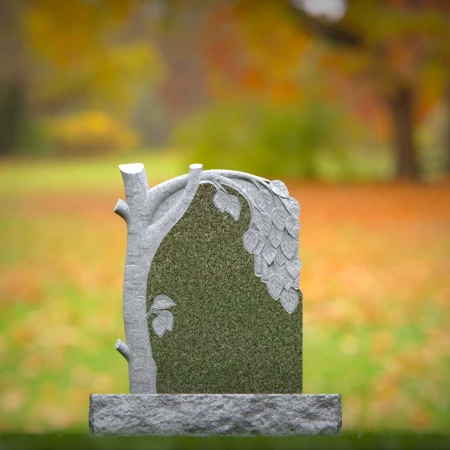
column 215, row 414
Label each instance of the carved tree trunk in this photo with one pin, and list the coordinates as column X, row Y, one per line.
column 144, row 237
column 400, row 103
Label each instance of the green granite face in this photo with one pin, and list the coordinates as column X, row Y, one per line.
column 229, row 335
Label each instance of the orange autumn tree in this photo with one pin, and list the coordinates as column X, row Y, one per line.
column 399, row 48
column 71, row 56
column 249, row 53
column 267, row 100
column 395, row 50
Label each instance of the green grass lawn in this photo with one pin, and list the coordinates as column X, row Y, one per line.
column 82, row 174
column 375, row 283
column 397, row 441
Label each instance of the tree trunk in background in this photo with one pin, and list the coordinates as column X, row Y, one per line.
column 400, row 102
column 447, row 128
column 12, row 116
column 12, row 72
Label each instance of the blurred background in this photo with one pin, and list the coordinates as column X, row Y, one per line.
column 347, row 101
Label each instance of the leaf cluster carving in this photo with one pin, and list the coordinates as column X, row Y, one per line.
column 227, row 202
column 272, row 238
column 278, row 265
column 164, row 318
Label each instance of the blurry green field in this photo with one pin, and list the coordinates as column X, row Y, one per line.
column 81, row 174
column 376, row 260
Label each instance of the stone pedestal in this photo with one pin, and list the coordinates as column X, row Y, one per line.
column 215, row 414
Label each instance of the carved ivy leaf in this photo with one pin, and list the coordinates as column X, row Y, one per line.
column 289, row 246
column 293, row 267
column 263, row 199
column 292, row 206
column 279, row 188
column 275, row 237
column 293, row 226
column 162, row 322
column 269, row 253
column 221, row 199
column 296, row 283
column 263, row 222
column 289, row 300
column 162, row 302
column 275, row 285
column 279, row 218
column 233, row 207
column 250, row 239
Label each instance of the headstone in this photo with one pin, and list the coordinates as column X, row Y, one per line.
column 212, row 311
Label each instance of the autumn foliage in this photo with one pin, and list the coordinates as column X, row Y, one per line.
column 374, row 282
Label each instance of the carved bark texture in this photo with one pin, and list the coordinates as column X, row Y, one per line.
column 144, row 237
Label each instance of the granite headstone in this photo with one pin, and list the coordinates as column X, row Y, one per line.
column 212, row 311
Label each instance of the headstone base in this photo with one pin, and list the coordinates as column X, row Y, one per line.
column 215, row 414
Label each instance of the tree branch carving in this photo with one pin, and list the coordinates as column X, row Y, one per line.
column 144, row 236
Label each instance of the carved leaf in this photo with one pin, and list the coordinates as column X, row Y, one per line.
column 279, row 218
column 289, row 246
column 288, row 282
column 162, row 302
column 296, row 283
column 293, row 226
column 279, row 188
column 275, row 285
column 263, row 222
column 162, row 322
column 289, row 300
column 233, row 207
column 280, row 259
column 263, row 199
column 269, row 253
column 275, row 237
column 292, row 206
column 265, row 270
column 293, row 267
column 167, row 316
column 158, row 326
column 258, row 265
column 259, row 247
column 280, row 270
column 250, row 239
column 221, row 199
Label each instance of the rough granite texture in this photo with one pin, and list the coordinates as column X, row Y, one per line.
column 229, row 335
column 227, row 414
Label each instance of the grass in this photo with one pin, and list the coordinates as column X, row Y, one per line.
column 376, row 259
column 27, row 175
column 347, row 441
